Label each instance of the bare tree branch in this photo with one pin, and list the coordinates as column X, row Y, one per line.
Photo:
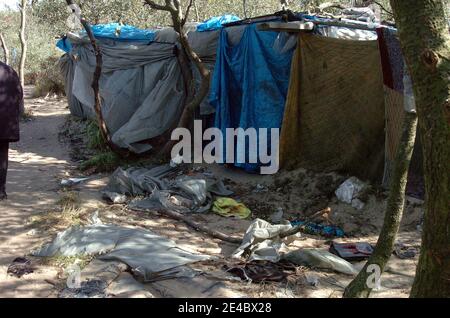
column 5, row 48
column 157, row 6
column 194, row 98
column 186, row 15
column 96, row 87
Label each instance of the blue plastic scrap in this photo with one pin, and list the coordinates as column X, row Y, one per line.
column 318, row 229
column 216, row 23
column 64, row 44
column 249, row 86
column 119, row 32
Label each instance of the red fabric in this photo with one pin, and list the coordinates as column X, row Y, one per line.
column 388, row 78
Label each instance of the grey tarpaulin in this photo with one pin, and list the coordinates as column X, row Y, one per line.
column 141, row 86
column 321, row 259
column 151, row 256
column 67, row 68
column 183, row 194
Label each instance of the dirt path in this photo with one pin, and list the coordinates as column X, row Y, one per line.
column 37, row 162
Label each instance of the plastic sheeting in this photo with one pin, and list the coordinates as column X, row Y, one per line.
column 184, row 194
column 262, row 241
column 334, row 116
column 149, row 255
column 141, row 84
column 250, row 83
column 119, row 32
column 141, row 87
column 216, row 23
column 112, row 31
column 64, row 45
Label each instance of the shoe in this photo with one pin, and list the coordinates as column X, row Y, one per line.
column 3, row 196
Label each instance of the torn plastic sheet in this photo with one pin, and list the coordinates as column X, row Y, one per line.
column 320, row 259
column 151, row 256
column 262, row 241
column 185, row 194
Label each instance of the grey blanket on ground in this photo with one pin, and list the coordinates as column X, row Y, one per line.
column 184, row 194
column 151, row 256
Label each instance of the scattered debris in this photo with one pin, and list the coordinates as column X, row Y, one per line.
column 277, row 216
column 184, row 194
column 404, row 252
column 114, row 197
column 19, row 267
column 260, row 188
column 72, row 181
column 321, row 259
column 312, row 279
column 352, row 251
column 230, row 208
column 319, row 229
column 349, row 190
column 264, row 241
column 89, row 289
column 262, row 271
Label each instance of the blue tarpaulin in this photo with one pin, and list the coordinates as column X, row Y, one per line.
column 114, row 31
column 250, row 84
column 120, row 32
column 216, row 23
column 64, row 44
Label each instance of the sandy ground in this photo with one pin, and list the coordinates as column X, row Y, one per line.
column 39, row 162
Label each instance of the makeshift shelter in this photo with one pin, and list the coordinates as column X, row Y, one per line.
column 141, row 86
column 321, row 85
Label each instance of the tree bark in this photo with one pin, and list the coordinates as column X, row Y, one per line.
column 5, row 48
column 359, row 287
column 425, row 43
column 96, row 88
column 23, row 41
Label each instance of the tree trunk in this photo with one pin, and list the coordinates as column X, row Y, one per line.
column 359, row 287
column 23, row 41
column 5, row 48
column 96, row 88
column 425, row 43
column 194, row 98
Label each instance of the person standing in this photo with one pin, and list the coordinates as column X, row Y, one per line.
column 11, row 98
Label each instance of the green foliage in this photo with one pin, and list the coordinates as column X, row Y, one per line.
column 48, row 79
column 47, row 22
column 95, row 137
column 102, row 162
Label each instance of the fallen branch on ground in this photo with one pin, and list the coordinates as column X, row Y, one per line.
column 199, row 227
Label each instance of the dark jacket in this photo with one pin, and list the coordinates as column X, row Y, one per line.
column 11, row 97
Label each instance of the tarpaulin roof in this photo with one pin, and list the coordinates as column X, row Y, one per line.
column 216, row 23
column 113, row 31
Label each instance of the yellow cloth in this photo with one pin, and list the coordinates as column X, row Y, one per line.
column 229, row 207
column 334, row 114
